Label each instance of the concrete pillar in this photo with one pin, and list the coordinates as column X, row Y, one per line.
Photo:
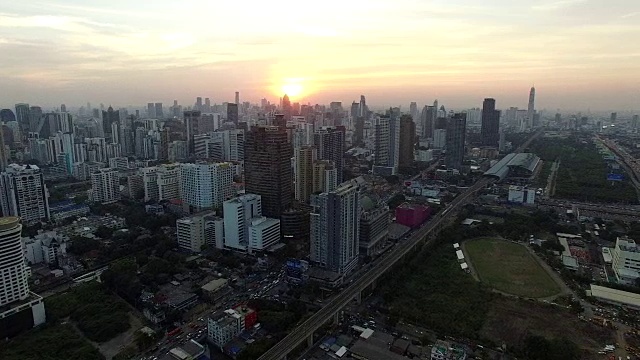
column 310, row 341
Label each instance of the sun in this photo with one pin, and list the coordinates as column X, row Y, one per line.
column 292, row 88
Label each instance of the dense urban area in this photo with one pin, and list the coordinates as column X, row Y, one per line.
column 271, row 231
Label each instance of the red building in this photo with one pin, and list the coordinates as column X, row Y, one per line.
column 249, row 316
column 412, row 215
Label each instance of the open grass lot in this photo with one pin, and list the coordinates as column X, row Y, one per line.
column 509, row 268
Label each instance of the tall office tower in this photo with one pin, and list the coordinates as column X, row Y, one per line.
column 330, row 142
column 20, row 309
column 158, row 111
column 35, row 114
column 205, row 186
column 355, row 111
column 325, row 176
column 394, row 139
column 7, row 115
column 439, row 138
column 304, row 158
column 22, row 117
column 358, row 134
column 362, row 109
column 191, row 124
column 490, row 123
column 335, row 228
column 198, row 105
column 105, row 186
column 614, row 116
column 232, row 113
column 428, row 118
column 267, row 164
column 287, row 110
column 634, row 121
column 415, row 114
column 237, row 98
column 407, row 140
column 511, row 117
column 245, row 227
column 235, row 146
column 24, row 193
column 194, row 232
column 531, row 107
column 151, row 110
column 109, row 117
column 207, row 105
column 456, row 135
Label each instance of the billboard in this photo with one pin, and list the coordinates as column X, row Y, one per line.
column 614, row 177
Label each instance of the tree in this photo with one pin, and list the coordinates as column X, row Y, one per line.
column 81, row 245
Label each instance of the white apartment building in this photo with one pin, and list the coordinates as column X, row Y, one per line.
column 335, row 228
column 238, row 213
column 48, row 247
column 105, row 186
column 119, row 163
column 198, row 230
column 626, row 261
column 205, row 186
column 13, row 271
column 223, row 327
column 24, row 193
column 263, row 233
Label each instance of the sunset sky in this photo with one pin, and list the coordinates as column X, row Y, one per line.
column 579, row 53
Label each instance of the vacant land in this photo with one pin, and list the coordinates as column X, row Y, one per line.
column 511, row 321
column 509, row 268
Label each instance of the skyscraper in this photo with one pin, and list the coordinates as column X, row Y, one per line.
column 287, row 110
column 206, row 186
column 381, row 146
column 105, row 186
column 24, row 193
column 304, row 157
column 531, row 107
column 22, row 117
column 415, row 114
column 267, row 154
column 614, row 116
column 237, row 98
column 191, row 124
column 363, row 110
column 108, row 118
column 7, row 115
column 456, row 134
column 232, row 113
column 407, row 140
column 428, row 119
column 151, row 110
column 14, row 286
column 35, row 115
column 158, row 110
column 335, row 228
column 490, row 123
column 329, row 140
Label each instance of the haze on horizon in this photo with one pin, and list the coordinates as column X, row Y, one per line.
column 578, row 53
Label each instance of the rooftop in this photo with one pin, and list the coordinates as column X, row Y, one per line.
column 619, row 296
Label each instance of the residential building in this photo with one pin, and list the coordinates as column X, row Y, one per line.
column 119, row 163
column 330, row 142
column 335, row 228
column 205, row 185
column 19, row 308
column 245, row 227
column 325, row 176
column 223, row 327
column 199, row 230
column 304, row 158
column 374, row 226
column 105, row 186
column 24, row 193
column 47, row 247
column 268, row 170
column 626, row 261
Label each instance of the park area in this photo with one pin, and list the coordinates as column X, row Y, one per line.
column 508, row 267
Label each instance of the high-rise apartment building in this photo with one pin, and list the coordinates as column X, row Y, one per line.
column 196, row 231
column 490, row 123
column 531, row 108
column 24, row 193
column 105, row 186
column 407, row 140
column 428, row 119
column 245, row 227
column 205, row 186
column 325, row 176
column 335, row 228
column 304, row 157
column 191, row 123
column 22, row 117
column 268, row 172
column 19, row 308
column 456, row 135
column 330, row 142
column 381, row 145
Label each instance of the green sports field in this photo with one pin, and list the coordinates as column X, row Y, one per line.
column 509, row 268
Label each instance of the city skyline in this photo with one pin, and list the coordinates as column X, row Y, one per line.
column 126, row 53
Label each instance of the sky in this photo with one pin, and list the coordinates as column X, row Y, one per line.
column 579, row 54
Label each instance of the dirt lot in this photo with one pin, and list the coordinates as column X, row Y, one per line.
column 511, row 320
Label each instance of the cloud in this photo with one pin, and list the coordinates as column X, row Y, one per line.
column 630, row 15
column 557, row 5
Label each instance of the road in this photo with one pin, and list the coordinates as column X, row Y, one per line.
column 307, row 328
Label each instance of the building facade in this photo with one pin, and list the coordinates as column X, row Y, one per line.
column 205, row 186
column 105, row 186
column 626, row 261
column 24, row 193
